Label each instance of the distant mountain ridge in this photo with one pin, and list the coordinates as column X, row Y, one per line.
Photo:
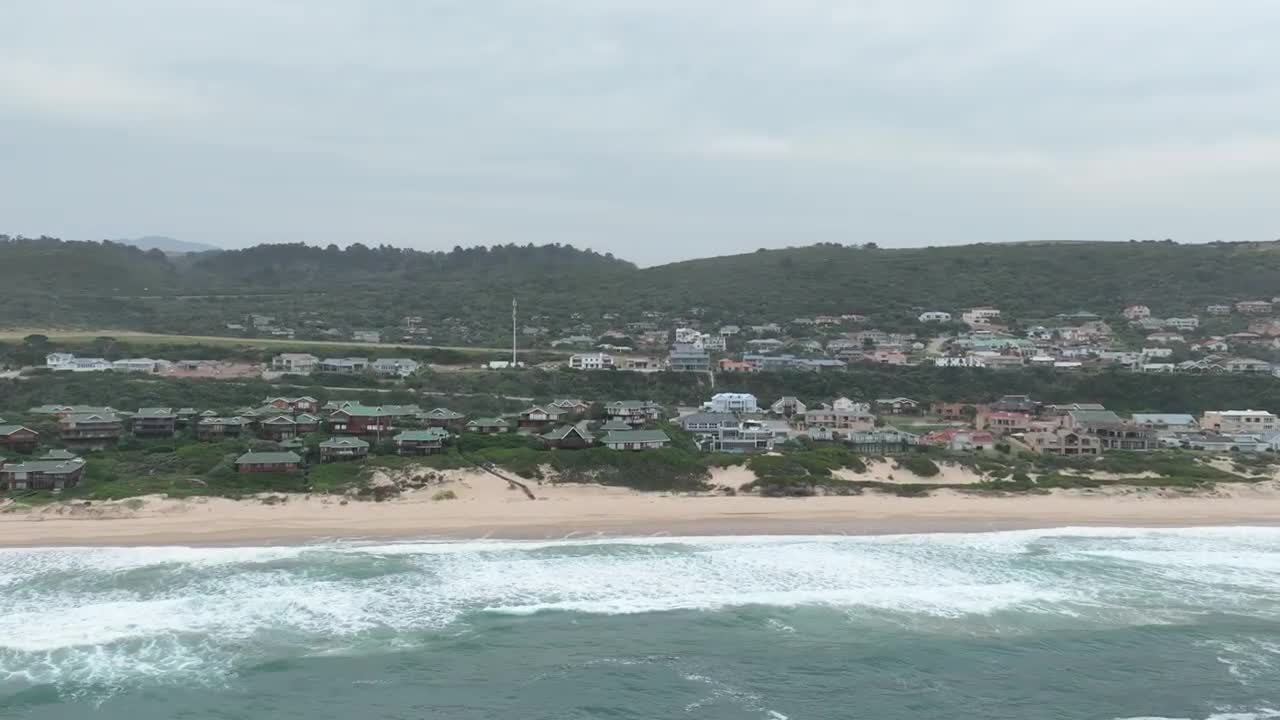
column 168, row 245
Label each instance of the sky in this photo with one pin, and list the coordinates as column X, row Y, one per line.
column 657, row 130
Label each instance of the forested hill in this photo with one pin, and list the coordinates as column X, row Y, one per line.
column 47, row 282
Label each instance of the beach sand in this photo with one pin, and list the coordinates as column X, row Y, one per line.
column 486, row 507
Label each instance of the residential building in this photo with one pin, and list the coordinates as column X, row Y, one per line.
column 1003, row 422
column 18, row 438
column 66, row 362
column 488, row 426
column 1218, row 310
column 687, row 358
column 138, row 365
column 216, row 428
column 264, row 462
column 714, row 343
column 591, row 361
column 1165, row 338
column 305, row 404
column 154, row 422
column 765, row 344
column 897, row 406
column 953, row 411
column 732, row 403
column 368, row 336
column 845, row 404
column 91, row 430
column 1246, row 366
column 1229, row 422
column 345, row 366
column 706, row 422
column 788, row 406
column 1237, row 442
column 570, row 406
column 295, row 363
column 42, row 474
column 1136, row 312
column 727, row 330
column 357, row 419
column 1166, row 422
column 568, row 437
column 934, row 316
column 395, row 367
column 731, row 365
column 722, row 432
column 636, row 440
column 538, row 419
column 1157, row 352
column 634, row 412
column 1183, row 323
column 882, row 441
column 1016, row 403
column 960, row 439
column 837, row 420
column 343, row 448
column 1063, row 442
column 980, row 316
column 443, row 418
column 1253, row 307
column 688, row 336
column 278, row 428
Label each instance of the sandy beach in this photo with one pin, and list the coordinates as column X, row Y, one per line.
column 485, row 506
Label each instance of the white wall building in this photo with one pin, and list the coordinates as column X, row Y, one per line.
column 141, row 365
column 591, row 361
column 1137, row 312
column 1182, row 323
column 1239, row 421
column 732, row 403
column 688, row 336
column 295, row 363
column 980, row 315
column 935, row 316
column 66, row 362
column 713, row 342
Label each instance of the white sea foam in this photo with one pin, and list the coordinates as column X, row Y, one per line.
column 118, row 612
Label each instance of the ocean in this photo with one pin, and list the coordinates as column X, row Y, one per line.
column 1095, row 624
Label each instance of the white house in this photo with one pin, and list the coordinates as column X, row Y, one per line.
column 980, row 315
column 295, row 363
column 591, row 361
column 395, row 367
column 1237, row 421
column 934, row 316
column 713, row 342
column 1182, row 323
column 1136, row 312
column 1218, row 309
column 688, row 336
column 732, row 403
column 1157, row 352
column 70, row 363
column 730, row 330
column 959, row 361
column 142, row 365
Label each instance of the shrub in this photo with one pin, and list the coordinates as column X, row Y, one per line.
column 445, row 495
column 918, row 464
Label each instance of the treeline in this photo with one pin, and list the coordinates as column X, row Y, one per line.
column 1118, row 390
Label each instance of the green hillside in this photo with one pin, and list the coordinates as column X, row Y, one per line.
column 464, row 294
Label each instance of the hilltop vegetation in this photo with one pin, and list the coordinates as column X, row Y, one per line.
column 110, row 285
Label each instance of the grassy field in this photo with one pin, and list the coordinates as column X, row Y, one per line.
column 143, row 338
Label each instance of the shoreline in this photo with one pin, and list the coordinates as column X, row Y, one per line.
column 485, row 508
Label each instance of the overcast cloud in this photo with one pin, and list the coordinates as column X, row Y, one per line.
column 653, row 129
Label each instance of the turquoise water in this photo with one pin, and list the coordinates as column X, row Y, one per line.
column 1072, row 623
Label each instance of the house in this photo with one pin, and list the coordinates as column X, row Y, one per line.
column 265, row 462
column 91, row 430
column 443, row 418
column 638, row 363
column 591, row 361
column 1122, row 435
column 727, row 330
column 357, row 419
column 688, row 336
column 842, row 420
column 732, row 403
column 611, row 425
column 764, row 345
column 1253, row 307
column 1240, row 442
column 960, row 439
column 1157, row 352
column 1166, row 422
column 568, row 437
column 395, row 367
column 488, row 426
column 633, row 412
column 636, row 440
column 368, row 336
column 570, row 406
column 714, row 343
column 1183, row 323
column 1077, row 419
column 154, row 422
column 882, row 440
column 897, row 406
column 539, row 418
column 43, row 474
column 138, row 365
column 787, row 406
column 295, row 363
column 706, row 422
column 1218, row 310
column 1136, row 312
column 278, row 428
column 730, row 435
column 305, row 404
column 306, row 423
column 687, row 358
column 1165, row 338
column 343, row 448
column 186, row 415
column 1016, row 403
column 344, row 366
column 18, row 438
column 844, row 403
column 1247, row 365
column 1063, row 442
column 934, row 316
column 970, row 361
column 1003, row 422
column 980, row 316
column 1227, row 422
column 215, row 428
column 66, row 362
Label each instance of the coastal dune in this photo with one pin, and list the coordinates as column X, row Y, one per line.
column 473, row 504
